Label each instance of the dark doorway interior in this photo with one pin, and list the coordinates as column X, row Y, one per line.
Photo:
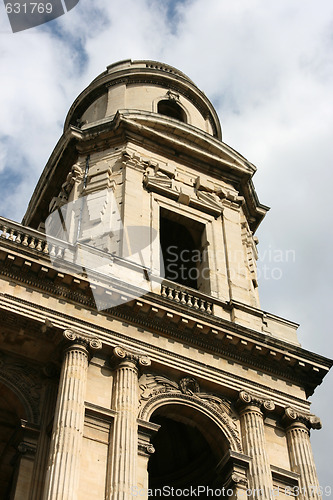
column 183, row 459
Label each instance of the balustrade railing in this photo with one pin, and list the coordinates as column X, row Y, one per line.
column 27, row 237
column 186, row 297
column 55, row 249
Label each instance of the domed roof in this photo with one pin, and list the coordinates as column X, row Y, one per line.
column 143, row 86
column 151, row 105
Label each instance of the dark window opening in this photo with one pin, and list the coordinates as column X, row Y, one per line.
column 181, row 243
column 171, row 108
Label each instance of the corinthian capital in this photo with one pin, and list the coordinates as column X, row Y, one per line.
column 85, row 339
column 136, row 357
column 292, row 416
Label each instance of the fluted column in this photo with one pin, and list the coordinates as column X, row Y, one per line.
column 63, row 468
column 300, row 452
column 254, row 445
column 125, row 433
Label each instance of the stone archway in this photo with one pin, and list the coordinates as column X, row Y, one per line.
column 157, row 391
column 188, row 450
column 195, row 437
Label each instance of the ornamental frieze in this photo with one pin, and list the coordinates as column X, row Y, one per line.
column 151, row 385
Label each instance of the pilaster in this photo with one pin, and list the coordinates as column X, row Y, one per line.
column 27, row 436
column 42, row 452
column 146, row 430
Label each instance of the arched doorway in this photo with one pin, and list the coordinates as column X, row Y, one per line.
column 188, row 449
column 11, row 413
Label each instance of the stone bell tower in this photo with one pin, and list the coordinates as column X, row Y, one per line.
column 135, row 358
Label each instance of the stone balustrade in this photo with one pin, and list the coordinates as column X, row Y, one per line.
column 186, row 297
column 27, row 237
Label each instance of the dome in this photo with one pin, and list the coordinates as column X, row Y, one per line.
column 147, row 87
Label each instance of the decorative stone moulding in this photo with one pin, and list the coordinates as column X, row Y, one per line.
column 157, row 390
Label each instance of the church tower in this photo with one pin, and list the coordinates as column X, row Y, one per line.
column 135, row 358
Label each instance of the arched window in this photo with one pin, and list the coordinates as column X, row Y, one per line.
column 170, row 108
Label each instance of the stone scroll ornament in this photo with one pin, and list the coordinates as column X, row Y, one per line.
column 311, row 421
column 152, row 385
column 89, row 341
column 132, row 355
column 245, row 398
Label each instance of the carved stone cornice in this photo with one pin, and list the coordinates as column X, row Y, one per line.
column 292, row 416
column 135, row 357
column 247, row 400
column 89, row 342
column 166, row 183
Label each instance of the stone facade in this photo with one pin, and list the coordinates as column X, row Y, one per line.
column 120, row 375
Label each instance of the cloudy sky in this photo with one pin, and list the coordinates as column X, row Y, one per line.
column 266, row 65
